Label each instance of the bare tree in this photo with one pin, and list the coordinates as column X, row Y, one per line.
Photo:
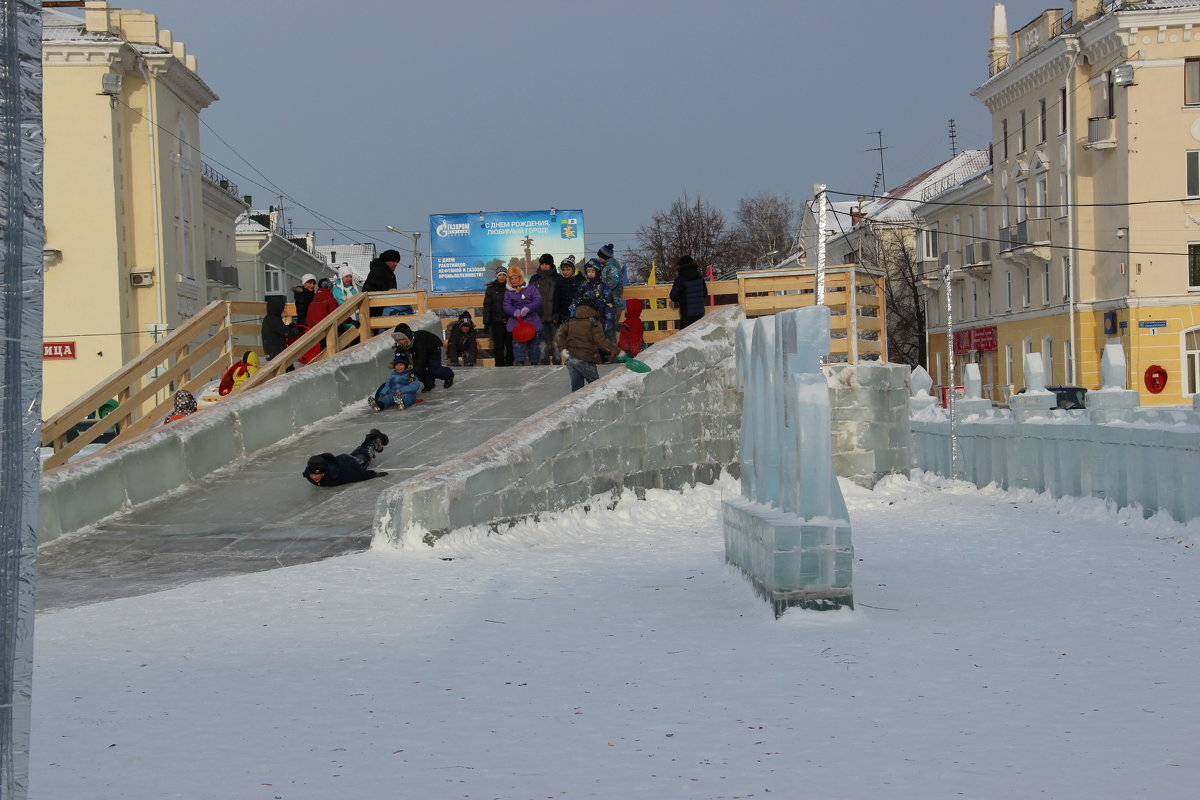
column 893, row 250
column 688, row 227
column 765, row 230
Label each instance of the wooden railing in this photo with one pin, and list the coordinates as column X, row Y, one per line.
column 207, row 344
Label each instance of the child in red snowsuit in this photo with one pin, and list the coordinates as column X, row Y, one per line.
column 630, row 339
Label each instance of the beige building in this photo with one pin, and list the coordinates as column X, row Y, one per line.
column 1087, row 227
column 270, row 260
column 139, row 231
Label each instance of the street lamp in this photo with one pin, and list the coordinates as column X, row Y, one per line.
column 415, row 236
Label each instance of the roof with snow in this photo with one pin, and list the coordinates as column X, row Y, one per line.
column 357, row 256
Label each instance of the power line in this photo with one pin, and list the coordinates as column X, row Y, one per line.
column 1119, row 204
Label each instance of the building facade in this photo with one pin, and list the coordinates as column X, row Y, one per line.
column 134, row 219
column 1087, row 227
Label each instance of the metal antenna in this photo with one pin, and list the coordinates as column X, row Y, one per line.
column 880, row 148
column 953, row 140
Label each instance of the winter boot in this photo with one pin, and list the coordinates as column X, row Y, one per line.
column 448, row 382
column 374, row 404
column 376, row 439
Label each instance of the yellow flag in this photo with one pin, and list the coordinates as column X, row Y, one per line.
column 652, row 280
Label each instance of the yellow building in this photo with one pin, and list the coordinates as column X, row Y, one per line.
column 139, row 232
column 1087, row 226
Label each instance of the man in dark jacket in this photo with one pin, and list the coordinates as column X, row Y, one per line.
column 495, row 320
column 689, row 292
column 545, row 281
column 274, row 332
column 566, row 285
column 381, row 277
column 326, row 469
column 425, row 349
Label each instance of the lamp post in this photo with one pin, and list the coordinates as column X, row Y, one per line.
column 415, row 236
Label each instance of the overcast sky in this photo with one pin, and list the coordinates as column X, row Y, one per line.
column 379, row 112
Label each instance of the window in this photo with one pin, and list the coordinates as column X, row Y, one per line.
column 1068, row 363
column 1042, row 120
column 1039, row 197
column 1004, row 212
column 1191, row 347
column 1008, row 364
column 1046, row 284
column 975, row 299
column 1028, row 296
column 1110, row 94
column 1004, row 138
column 1008, row 288
column 1022, row 203
column 1191, row 82
column 1062, row 110
column 1066, row 271
column 929, row 244
column 956, row 226
column 273, row 281
column 1193, row 173
column 1048, row 359
column 1064, row 193
column 1194, row 266
column 1021, row 133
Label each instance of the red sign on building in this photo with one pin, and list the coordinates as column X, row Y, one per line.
column 982, row 340
column 58, row 349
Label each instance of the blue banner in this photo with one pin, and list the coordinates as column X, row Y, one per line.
column 467, row 249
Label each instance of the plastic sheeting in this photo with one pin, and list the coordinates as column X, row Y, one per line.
column 21, row 241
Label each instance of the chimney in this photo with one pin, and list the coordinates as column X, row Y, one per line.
column 999, row 54
column 1083, row 10
column 95, row 17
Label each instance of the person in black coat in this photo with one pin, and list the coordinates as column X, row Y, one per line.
column 461, row 342
column 425, row 349
column 304, row 294
column 495, row 320
column 275, row 332
column 689, row 292
column 566, row 285
column 327, row 470
column 381, row 276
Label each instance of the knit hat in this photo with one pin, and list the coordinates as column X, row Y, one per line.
column 308, row 276
column 606, row 251
column 345, row 270
column 501, row 271
column 546, row 259
column 515, row 275
column 591, row 264
column 315, row 464
column 569, row 261
column 389, row 255
column 401, row 358
column 324, row 283
column 684, row 261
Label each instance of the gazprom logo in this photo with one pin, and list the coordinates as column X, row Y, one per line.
column 445, row 229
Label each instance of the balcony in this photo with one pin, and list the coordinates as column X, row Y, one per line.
column 216, row 272
column 1028, row 239
column 978, row 253
column 1102, row 134
column 212, row 176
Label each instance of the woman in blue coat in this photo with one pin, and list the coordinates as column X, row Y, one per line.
column 523, row 302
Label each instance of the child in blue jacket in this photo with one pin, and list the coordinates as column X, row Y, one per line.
column 400, row 388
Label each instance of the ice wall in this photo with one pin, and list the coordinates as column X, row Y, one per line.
column 672, row 427
column 790, row 531
column 164, row 458
column 1113, row 449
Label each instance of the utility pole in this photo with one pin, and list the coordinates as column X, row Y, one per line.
column 880, row 149
column 416, row 237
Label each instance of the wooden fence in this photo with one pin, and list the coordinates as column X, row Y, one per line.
column 203, row 347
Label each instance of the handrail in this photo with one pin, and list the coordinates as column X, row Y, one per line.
column 192, row 364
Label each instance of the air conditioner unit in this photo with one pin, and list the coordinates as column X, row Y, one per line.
column 141, row 279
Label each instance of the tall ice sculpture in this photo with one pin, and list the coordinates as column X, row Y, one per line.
column 789, row 531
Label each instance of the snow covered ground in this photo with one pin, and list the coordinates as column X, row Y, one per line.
column 1004, row 646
